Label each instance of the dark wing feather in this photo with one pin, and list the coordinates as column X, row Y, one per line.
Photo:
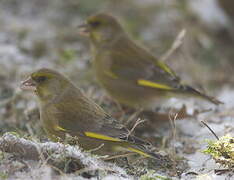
column 75, row 119
column 131, row 62
column 123, row 132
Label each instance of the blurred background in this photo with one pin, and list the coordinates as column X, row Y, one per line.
column 43, row 33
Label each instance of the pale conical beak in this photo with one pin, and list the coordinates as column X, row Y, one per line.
column 84, row 29
column 28, row 84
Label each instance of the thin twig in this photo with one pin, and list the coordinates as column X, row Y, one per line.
column 210, row 130
column 174, row 132
column 133, row 116
column 139, row 121
column 96, row 149
column 176, row 44
column 173, row 125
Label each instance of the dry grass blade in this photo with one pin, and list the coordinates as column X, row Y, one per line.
column 139, row 121
column 210, row 130
column 133, row 116
column 176, row 44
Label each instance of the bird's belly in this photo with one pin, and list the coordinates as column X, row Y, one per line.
column 50, row 126
column 131, row 94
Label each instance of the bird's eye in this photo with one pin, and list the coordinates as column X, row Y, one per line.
column 95, row 23
column 41, row 79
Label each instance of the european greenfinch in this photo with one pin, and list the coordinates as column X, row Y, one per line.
column 64, row 109
column 128, row 72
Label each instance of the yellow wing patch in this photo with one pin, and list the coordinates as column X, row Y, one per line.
column 101, row 136
column 139, row 152
column 151, row 84
column 165, row 67
column 58, row 128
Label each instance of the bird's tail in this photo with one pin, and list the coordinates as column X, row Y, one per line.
column 211, row 99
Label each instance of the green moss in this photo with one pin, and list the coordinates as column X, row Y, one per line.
column 222, row 151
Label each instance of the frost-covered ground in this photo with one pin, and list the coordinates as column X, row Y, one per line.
column 43, row 33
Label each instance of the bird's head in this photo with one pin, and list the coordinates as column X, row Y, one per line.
column 46, row 83
column 101, row 28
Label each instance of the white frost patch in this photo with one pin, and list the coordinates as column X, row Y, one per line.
column 41, row 173
column 227, row 96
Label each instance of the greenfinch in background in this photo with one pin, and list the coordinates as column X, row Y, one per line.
column 64, row 109
column 128, row 72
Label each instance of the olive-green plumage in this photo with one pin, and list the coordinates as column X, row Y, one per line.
column 129, row 73
column 64, row 109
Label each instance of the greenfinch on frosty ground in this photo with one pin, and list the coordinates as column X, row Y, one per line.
column 128, row 72
column 64, row 109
